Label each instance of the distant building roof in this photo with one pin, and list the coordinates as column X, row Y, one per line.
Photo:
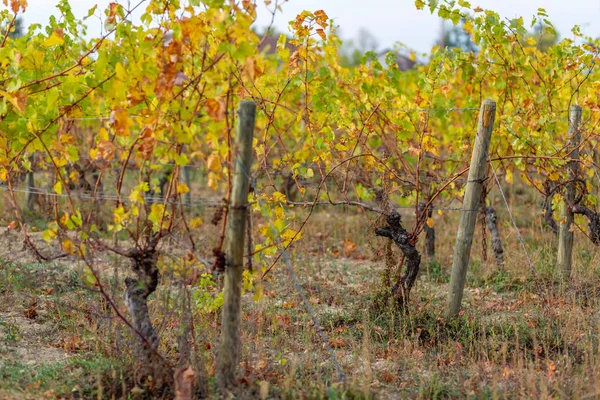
column 269, row 45
column 403, row 61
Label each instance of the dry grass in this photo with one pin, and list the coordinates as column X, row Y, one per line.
column 520, row 334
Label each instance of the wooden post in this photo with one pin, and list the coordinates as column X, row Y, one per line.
column 468, row 216
column 565, row 235
column 30, row 184
column 228, row 356
column 187, row 178
column 30, row 196
column 426, row 214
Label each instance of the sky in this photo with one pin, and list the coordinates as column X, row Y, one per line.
column 389, row 21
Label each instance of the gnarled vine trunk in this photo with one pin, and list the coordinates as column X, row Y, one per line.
column 593, row 221
column 491, row 219
column 550, row 188
column 400, row 236
column 136, row 296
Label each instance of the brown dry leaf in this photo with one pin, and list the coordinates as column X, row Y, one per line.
column 321, row 18
column 13, row 225
column 262, row 364
column 337, row 343
column 31, row 312
column 14, row 6
column 146, row 147
column 70, row 343
column 349, row 247
column 106, row 150
column 121, row 122
column 184, row 383
column 251, row 67
column 295, row 63
column 264, row 389
column 551, row 371
column 18, row 100
column 388, row 377
column 321, row 33
column 215, row 108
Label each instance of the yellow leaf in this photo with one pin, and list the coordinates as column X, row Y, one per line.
column 279, row 197
column 212, row 181
column 53, row 40
column 590, row 172
column 196, row 223
column 58, row 188
column 509, row 176
column 3, row 174
column 182, row 188
column 121, row 122
column 259, row 292
column 68, row 246
column 82, row 250
column 157, row 211
column 103, row 135
column 48, row 235
column 429, row 222
column 213, row 163
column 341, row 147
column 554, row 176
column 18, row 100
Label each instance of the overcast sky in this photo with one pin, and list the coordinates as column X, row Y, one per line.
column 389, row 21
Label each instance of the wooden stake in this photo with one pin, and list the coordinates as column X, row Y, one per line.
column 229, row 350
column 468, row 217
column 30, row 182
column 565, row 235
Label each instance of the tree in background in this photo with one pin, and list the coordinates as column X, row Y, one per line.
column 353, row 50
column 542, row 37
column 17, row 29
column 455, row 37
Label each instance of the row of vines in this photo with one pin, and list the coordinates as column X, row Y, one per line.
column 115, row 125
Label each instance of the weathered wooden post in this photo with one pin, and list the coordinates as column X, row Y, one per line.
column 565, row 235
column 468, row 216
column 30, row 186
column 187, row 179
column 228, row 356
column 29, row 191
column 426, row 214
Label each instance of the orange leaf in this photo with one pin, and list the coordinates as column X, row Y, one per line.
column 121, row 122
column 106, row 150
column 321, row 33
column 216, row 109
column 148, row 141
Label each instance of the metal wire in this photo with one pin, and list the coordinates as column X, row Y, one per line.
column 209, row 203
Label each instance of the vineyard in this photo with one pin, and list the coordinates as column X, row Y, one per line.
column 194, row 209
